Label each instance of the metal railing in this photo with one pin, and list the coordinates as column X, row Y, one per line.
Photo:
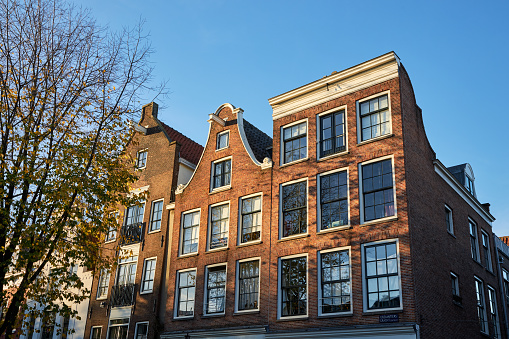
column 122, row 295
column 130, row 234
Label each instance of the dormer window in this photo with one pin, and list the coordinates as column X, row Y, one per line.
column 223, row 140
column 141, row 159
column 469, row 185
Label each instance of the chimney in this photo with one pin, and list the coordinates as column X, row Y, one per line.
column 151, row 109
column 486, row 207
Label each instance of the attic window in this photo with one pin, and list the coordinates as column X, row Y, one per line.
column 223, row 140
column 469, row 185
column 141, row 159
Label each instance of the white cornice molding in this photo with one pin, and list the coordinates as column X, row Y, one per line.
column 222, row 333
column 336, row 85
column 187, row 163
column 213, row 117
column 444, row 173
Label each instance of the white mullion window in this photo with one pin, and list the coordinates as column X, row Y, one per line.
column 481, row 305
column 189, row 232
column 492, row 298
column 118, row 328
column 374, row 117
column 448, row 219
column 185, row 293
column 247, row 292
column 332, row 134
column 474, row 242
column 141, row 159
column 294, row 208
column 250, row 220
column 149, row 269
column 223, row 140
column 293, row 291
column 103, row 284
column 141, row 330
column 333, row 200
column 219, row 222
column 156, row 215
column 221, row 173
column 486, row 249
column 334, row 280
column 294, row 145
column 95, row 333
column 215, row 289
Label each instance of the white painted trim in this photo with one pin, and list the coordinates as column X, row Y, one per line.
column 319, row 131
column 488, row 260
column 239, row 223
column 483, row 297
column 364, row 277
column 319, row 287
column 457, row 283
column 212, row 168
column 478, row 251
column 177, row 293
column 449, row 211
column 187, row 163
column 280, row 235
column 218, row 135
column 137, row 157
column 282, row 145
column 181, row 240
column 152, row 214
column 358, row 116
column 143, row 275
column 243, row 138
column 136, row 328
column 205, row 288
column 237, row 286
column 318, row 199
column 92, row 331
column 215, row 118
column 279, row 287
column 442, row 171
column 209, row 225
column 361, row 193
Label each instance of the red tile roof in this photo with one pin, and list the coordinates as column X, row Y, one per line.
column 190, row 150
column 505, row 240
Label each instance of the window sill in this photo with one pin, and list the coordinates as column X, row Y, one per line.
column 155, row 231
column 110, row 241
column 246, row 312
column 383, row 311
column 336, row 315
column 292, row 237
column 335, row 155
column 212, row 315
column 146, row 292
column 378, row 221
column 222, row 149
column 101, row 298
column 220, row 189
column 187, row 255
column 251, row 243
column 217, row 249
column 375, row 139
column 294, row 162
column 334, row 229
column 190, row 317
column 292, row 318
column 451, row 234
column 457, row 303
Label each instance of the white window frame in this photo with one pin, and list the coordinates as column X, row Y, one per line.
column 319, row 265
column 477, row 249
column 136, row 328
column 138, row 158
column 181, row 241
column 449, row 213
column 240, row 225
column 152, row 216
column 142, row 291
column 108, row 240
column 282, row 145
column 492, row 300
column 279, row 288
column 319, row 204
column 319, row 132
column 480, row 283
column 209, row 226
column 108, row 275
column 365, row 280
column 359, row 117
column 142, row 203
column 281, row 208
column 177, row 293
column 117, row 325
column 237, row 284
column 456, row 280
column 486, row 250
column 361, row 193
column 212, row 172
column 218, row 135
column 205, row 294
column 92, row 331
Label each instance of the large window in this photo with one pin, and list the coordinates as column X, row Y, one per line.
column 156, row 215
column 248, row 285
column 294, row 142
column 486, row 251
column 216, row 289
column 333, row 200
column 481, row 306
column 141, row 159
column 251, row 219
column 149, row 269
column 448, row 219
column 219, row 224
column 223, row 140
column 134, row 214
column 335, row 294
column 377, row 190
column 375, row 117
column 332, row 133
column 141, row 330
column 382, row 276
column 186, row 285
column 190, row 232
column 118, row 328
column 474, row 244
column 492, row 298
column 294, row 207
column 221, row 173
column 102, row 286
column 293, row 296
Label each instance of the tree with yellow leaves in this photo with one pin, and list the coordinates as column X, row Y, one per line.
column 67, row 92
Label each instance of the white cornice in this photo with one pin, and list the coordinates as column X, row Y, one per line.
column 213, row 117
column 442, row 171
column 367, row 74
column 221, row 333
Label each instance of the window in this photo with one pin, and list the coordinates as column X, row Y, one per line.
column 102, row 286
column 190, row 232
column 149, row 270
column 375, row 117
column 377, row 190
column 219, row 224
column 293, row 296
column 481, row 308
column 469, row 185
column 335, row 294
column 455, row 288
column 96, row 333
column 294, row 142
column 118, row 328
column 111, row 235
column 251, row 219
column 186, row 284
column 222, row 173
column 157, row 214
column 48, row 325
column 248, row 285
column 126, row 271
column 141, row 159
column 332, row 133
column 65, row 326
column 474, row 246
column 333, row 200
column 134, row 214
column 486, row 250
column 223, row 140
column 492, row 297
column 31, row 326
column 216, row 290
column 448, row 219
column 381, row 269
column 141, row 330
column 505, row 278
column 294, row 207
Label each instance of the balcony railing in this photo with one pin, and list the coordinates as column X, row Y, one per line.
column 122, row 295
column 130, row 234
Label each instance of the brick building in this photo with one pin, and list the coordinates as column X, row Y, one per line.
column 344, row 225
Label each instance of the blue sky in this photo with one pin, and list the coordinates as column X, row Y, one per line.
column 245, row 52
